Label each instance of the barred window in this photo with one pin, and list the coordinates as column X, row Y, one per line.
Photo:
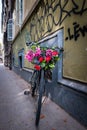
column 10, row 30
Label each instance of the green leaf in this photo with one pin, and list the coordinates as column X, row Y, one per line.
column 51, row 65
column 33, row 47
column 43, row 64
column 46, row 67
column 56, row 58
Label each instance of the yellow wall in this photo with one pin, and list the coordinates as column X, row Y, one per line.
column 19, row 44
column 28, row 5
column 72, row 16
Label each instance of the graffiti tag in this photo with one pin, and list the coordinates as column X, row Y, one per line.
column 77, row 31
column 54, row 13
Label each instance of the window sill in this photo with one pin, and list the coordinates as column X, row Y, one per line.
column 81, row 87
column 29, row 70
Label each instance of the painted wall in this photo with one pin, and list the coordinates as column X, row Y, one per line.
column 48, row 17
column 21, row 44
column 28, row 5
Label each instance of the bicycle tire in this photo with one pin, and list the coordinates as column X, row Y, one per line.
column 39, row 103
column 38, row 108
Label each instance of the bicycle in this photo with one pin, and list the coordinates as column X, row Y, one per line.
column 38, row 82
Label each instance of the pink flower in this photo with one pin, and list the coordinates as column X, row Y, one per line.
column 42, row 57
column 54, row 53
column 49, row 52
column 38, row 52
column 30, row 55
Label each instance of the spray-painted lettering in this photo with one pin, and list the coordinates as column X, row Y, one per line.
column 77, row 31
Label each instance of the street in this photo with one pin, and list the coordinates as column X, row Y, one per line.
column 17, row 111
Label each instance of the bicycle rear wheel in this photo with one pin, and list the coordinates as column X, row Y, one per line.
column 34, row 83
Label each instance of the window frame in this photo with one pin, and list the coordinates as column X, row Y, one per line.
column 71, row 83
column 10, row 30
column 19, row 12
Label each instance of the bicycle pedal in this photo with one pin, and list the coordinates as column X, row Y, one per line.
column 26, row 92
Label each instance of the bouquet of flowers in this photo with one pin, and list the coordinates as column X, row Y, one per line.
column 42, row 57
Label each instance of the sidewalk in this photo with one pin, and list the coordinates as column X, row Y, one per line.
column 17, row 110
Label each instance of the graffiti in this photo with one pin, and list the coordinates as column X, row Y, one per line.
column 54, row 13
column 77, row 31
column 63, row 11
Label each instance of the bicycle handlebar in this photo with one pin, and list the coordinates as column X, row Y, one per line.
column 31, row 43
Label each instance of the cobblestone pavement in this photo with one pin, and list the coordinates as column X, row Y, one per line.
column 17, row 111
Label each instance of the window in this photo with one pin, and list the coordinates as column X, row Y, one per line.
column 21, row 58
column 20, row 61
column 19, row 12
column 10, row 30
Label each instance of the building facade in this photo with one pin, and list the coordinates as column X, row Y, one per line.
column 53, row 22
column 7, row 14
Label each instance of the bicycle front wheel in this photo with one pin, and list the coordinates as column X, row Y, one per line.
column 39, row 103
column 38, row 111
